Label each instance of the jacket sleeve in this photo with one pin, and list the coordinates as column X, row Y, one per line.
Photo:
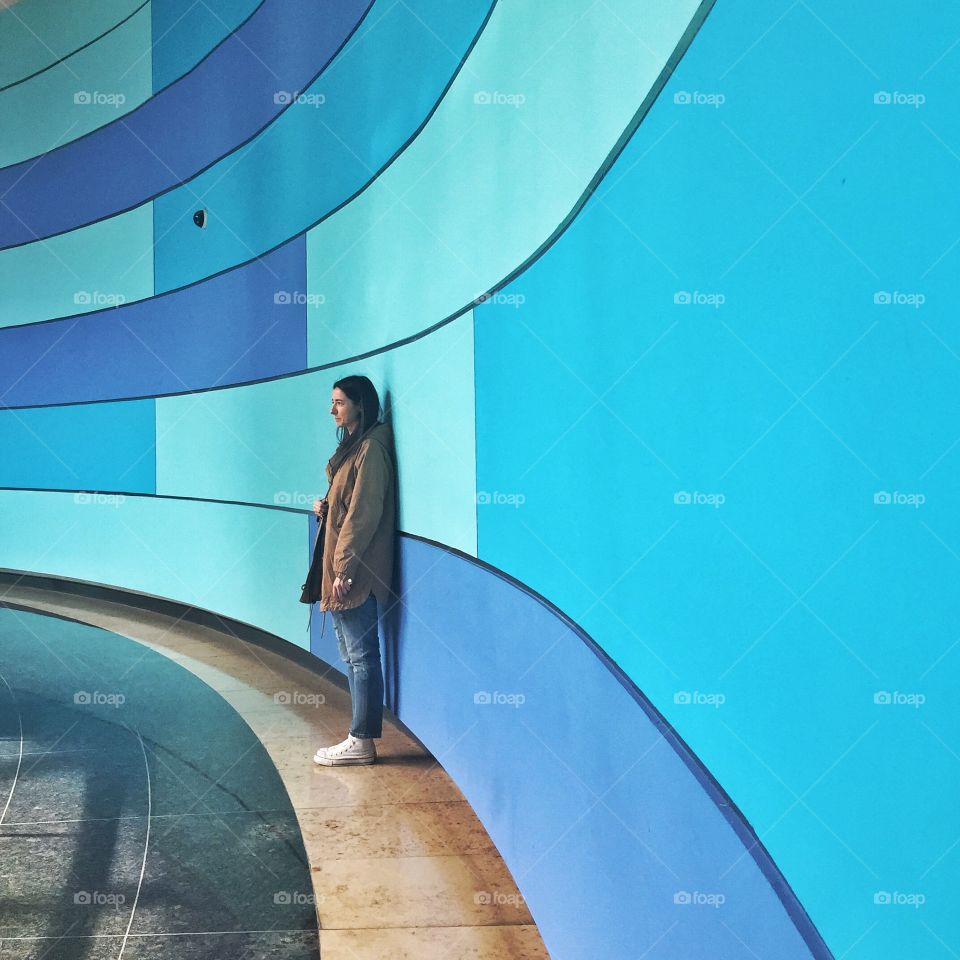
column 374, row 472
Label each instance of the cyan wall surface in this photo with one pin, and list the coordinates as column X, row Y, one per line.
column 731, row 399
column 89, row 447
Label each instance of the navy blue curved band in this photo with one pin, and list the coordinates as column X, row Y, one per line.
column 493, row 678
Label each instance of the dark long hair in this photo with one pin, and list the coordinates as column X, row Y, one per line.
column 361, row 391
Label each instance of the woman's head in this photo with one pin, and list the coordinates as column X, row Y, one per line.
column 355, row 406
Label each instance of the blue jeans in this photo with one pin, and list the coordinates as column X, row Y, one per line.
column 359, row 643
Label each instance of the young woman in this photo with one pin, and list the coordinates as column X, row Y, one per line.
column 358, row 557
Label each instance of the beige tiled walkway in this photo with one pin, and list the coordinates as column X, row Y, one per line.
column 402, row 868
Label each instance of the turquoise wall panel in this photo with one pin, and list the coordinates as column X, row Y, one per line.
column 269, row 443
column 101, row 446
column 500, row 165
column 103, row 265
column 243, row 562
column 94, row 87
column 37, row 33
column 257, row 444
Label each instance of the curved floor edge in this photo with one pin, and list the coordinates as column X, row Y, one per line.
column 399, row 831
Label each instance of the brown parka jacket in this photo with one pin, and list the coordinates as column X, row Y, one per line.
column 361, row 523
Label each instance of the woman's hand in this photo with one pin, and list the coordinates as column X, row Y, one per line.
column 320, row 507
column 341, row 588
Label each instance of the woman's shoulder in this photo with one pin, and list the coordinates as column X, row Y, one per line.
column 379, row 436
column 377, row 442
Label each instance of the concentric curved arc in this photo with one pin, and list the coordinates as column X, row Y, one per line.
column 74, row 51
column 688, row 824
column 245, row 81
column 35, row 35
column 470, row 295
column 382, row 128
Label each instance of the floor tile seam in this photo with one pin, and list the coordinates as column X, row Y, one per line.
column 174, row 933
column 143, row 816
column 439, row 926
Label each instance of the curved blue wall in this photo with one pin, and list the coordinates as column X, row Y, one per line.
column 743, row 403
column 661, row 325
column 587, row 792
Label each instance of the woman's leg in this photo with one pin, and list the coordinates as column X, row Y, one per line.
column 344, row 653
column 359, row 641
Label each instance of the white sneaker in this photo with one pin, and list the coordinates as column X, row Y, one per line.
column 353, row 750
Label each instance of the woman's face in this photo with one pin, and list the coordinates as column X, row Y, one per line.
column 345, row 412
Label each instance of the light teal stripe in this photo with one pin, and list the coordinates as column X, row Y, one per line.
column 486, row 183
column 36, row 33
column 103, row 264
column 243, row 562
column 429, row 384
column 259, row 443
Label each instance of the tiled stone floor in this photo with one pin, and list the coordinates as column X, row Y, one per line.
column 400, row 865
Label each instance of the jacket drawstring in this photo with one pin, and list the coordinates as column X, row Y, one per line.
column 323, row 620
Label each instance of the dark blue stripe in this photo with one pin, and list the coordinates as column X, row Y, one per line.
column 229, row 328
column 465, row 628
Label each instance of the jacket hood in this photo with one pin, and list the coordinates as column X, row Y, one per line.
column 382, row 433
